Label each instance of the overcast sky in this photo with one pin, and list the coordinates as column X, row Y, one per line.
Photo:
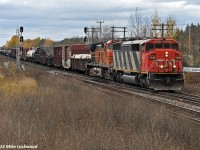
column 59, row 19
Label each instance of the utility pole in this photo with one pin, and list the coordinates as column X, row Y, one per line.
column 19, row 48
column 100, row 22
column 189, row 40
column 162, row 28
column 113, row 31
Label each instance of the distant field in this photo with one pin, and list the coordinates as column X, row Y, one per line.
column 57, row 114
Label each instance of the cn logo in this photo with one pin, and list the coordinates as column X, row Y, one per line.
column 165, row 63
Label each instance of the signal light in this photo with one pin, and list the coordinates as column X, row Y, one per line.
column 152, row 57
column 21, row 29
column 85, row 30
column 21, row 39
column 21, row 49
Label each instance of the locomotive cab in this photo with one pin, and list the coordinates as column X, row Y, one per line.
column 162, row 64
column 151, row 63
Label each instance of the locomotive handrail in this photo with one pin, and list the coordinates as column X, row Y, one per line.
column 180, row 66
column 152, row 64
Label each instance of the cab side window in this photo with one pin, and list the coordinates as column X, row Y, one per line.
column 110, row 46
column 149, row 46
column 117, row 46
column 175, row 46
column 135, row 47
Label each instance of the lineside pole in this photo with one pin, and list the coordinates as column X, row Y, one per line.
column 100, row 22
column 19, row 48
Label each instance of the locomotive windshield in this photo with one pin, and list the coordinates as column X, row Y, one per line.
column 110, row 46
column 152, row 46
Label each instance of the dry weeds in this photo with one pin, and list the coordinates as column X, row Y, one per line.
column 192, row 83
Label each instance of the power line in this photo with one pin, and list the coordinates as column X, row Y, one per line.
column 163, row 28
column 113, row 31
column 100, row 22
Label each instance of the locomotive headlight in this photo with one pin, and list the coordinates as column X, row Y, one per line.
column 174, row 66
column 161, row 66
column 178, row 57
column 152, row 57
column 166, row 54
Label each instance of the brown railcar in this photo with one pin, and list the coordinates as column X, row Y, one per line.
column 79, row 61
column 62, row 54
column 24, row 53
column 13, row 53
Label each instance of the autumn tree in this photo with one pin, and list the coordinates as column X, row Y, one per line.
column 12, row 42
column 48, row 42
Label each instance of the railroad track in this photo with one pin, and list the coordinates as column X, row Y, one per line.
column 177, row 103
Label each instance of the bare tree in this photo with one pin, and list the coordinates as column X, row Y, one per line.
column 135, row 21
column 155, row 22
column 139, row 26
column 171, row 25
column 106, row 32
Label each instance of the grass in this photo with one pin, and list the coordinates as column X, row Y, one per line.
column 192, row 83
column 60, row 114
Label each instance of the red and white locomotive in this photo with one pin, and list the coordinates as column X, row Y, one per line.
column 153, row 63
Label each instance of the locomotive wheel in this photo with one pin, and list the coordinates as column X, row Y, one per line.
column 118, row 77
column 144, row 82
column 114, row 77
column 103, row 74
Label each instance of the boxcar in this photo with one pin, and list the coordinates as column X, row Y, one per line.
column 24, row 53
column 13, row 53
column 62, row 54
column 57, row 55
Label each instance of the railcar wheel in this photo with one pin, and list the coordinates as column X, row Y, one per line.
column 143, row 81
column 118, row 77
column 103, row 73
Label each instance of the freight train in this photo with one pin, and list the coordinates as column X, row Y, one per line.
column 154, row 63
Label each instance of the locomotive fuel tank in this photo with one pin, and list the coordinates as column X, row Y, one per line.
column 131, row 79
